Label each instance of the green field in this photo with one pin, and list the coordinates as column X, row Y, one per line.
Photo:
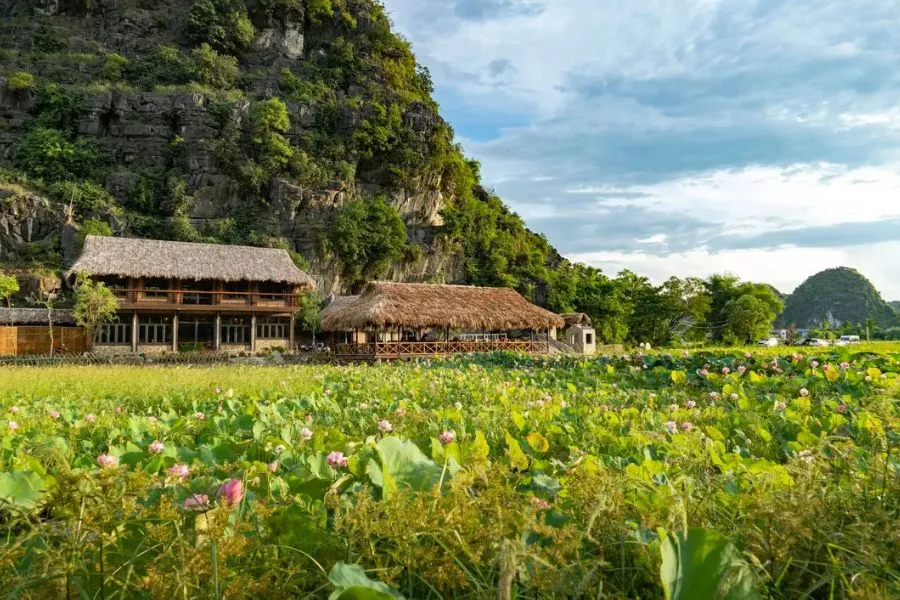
column 708, row 475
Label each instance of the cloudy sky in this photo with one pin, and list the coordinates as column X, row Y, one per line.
column 760, row 137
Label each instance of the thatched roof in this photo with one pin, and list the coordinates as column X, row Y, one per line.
column 419, row 305
column 576, row 319
column 336, row 304
column 34, row 317
column 130, row 257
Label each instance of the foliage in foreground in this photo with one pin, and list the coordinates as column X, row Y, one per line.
column 644, row 476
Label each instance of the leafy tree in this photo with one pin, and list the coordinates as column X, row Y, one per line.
column 20, row 81
column 308, row 312
column 270, row 120
column 367, row 237
column 216, row 70
column 730, row 320
column 659, row 313
column 87, row 197
column 94, row 304
column 319, row 10
column 93, row 227
column 9, row 285
column 223, row 24
column 47, row 153
column 749, row 318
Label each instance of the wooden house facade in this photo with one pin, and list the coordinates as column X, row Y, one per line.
column 179, row 296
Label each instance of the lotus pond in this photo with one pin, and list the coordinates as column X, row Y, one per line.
column 703, row 475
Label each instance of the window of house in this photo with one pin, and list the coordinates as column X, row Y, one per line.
column 589, row 338
column 273, row 328
column 156, row 288
column 197, row 292
column 236, row 331
column 117, row 285
column 236, row 291
column 155, row 330
column 270, row 291
column 117, row 332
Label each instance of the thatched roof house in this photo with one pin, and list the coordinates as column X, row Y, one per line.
column 416, row 305
column 130, row 257
column 34, row 317
column 576, row 319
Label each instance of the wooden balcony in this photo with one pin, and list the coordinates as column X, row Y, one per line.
column 200, row 301
column 401, row 350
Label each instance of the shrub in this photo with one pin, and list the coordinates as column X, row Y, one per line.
column 319, row 10
column 214, row 69
column 166, row 66
column 270, row 120
column 114, row 67
column 223, row 24
column 367, row 237
column 47, row 153
column 58, row 107
column 20, row 81
column 87, row 197
column 92, row 227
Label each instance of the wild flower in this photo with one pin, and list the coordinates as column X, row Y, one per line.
column 447, row 437
column 54, row 414
column 384, row 426
column 691, row 404
column 231, row 492
column 196, row 502
column 13, row 426
column 306, row 434
column 671, row 426
column 539, row 503
column 179, row 471
column 90, row 418
column 804, row 392
column 156, row 447
column 106, row 461
column 336, row 460
column 687, row 426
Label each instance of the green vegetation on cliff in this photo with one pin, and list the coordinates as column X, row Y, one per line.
column 837, row 296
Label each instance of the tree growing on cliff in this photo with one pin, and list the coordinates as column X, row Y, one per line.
column 367, row 237
column 223, row 24
column 95, row 304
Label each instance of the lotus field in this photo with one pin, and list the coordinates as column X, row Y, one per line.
column 688, row 476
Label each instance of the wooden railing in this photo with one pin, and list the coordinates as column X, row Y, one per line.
column 205, row 298
column 388, row 350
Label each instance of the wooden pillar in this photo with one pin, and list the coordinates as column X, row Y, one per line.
column 175, row 332
column 217, row 336
column 253, row 332
column 135, row 325
column 291, row 334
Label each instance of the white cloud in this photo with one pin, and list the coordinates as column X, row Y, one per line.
column 785, row 268
column 659, row 239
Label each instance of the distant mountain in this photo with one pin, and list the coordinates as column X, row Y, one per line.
column 895, row 304
column 837, row 296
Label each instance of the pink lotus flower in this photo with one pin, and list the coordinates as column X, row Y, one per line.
column 13, row 425
column 272, row 466
column 539, row 503
column 196, row 502
column 106, row 461
column 400, row 412
column 747, row 355
column 815, row 364
column 779, row 405
column 714, row 395
column 447, row 437
column 673, row 407
column 336, row 460
column 384, row 426
column 199, row 416
column 671, row 426
column 734, row 396
column 14, row 410
column 54, row 414
column 687, row 426
column 702, row 372
column 742, row 369
column 156, row 447
column 691, row 404
column 725, row 370
column 90, row 418
column 563, row 404
column 842, row 408
column 306, row 434
column 179, row 471
column 231, row 492
column 845, row 365
column 152, row 420
column 804, row 392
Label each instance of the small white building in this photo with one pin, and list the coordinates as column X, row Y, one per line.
column 580, row 333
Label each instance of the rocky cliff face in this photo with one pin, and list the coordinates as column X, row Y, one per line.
column 148, row 136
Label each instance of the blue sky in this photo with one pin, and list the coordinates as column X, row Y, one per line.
column 682, row 137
